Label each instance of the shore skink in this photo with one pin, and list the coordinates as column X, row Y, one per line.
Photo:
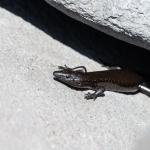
column 117, row 80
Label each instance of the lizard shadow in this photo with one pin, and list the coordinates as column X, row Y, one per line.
column 82, row 38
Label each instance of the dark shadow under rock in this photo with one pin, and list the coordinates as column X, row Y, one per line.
column 80, row 37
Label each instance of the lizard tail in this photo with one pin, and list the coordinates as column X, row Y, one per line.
column 145, row 89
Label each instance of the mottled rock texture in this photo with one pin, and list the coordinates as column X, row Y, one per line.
column 127, row 20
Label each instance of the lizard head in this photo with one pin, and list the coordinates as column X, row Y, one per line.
column 69, row 77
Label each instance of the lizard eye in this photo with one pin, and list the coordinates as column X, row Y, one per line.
column 67, row 76
column 79, row 83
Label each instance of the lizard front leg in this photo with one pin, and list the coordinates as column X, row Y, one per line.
column 98, row 93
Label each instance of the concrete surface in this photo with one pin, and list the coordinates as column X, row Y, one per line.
column 38, row 113
column 126, row 20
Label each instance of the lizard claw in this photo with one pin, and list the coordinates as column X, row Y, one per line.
column 63, row 67
column 90, row 96
column 94, row 95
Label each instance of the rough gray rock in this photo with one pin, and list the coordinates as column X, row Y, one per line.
column 126, row 20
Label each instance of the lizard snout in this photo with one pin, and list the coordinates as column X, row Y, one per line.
column 57, row 74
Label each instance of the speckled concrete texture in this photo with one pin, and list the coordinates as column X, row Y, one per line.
column 39, row 113
column 126, row 20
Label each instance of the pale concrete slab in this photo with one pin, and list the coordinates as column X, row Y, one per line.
column 39, row 113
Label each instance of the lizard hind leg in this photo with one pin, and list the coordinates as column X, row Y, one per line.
column 98, row 93
column 80, row 69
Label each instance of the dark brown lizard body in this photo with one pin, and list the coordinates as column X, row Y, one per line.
column 117, row 80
